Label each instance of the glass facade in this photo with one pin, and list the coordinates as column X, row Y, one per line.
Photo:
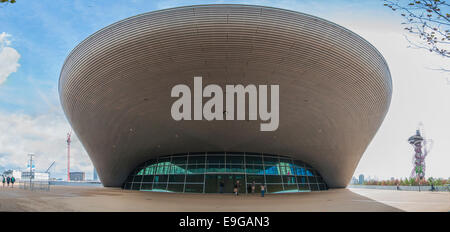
column 215, row 172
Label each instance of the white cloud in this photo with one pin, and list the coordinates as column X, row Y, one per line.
column 43, row 135
column 9, row 57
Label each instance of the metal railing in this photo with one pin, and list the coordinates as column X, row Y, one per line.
column 445, row 188
column 34, row 185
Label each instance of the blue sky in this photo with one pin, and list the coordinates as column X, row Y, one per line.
column 44, row 32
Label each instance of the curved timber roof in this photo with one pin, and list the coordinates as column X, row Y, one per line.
column 335, row 87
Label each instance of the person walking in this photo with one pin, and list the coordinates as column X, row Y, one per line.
column 262, row 190
column 253, row 187
column 8, row 179
column 221, row 186
column 12, row 181
column 236, row 188
column 3, row 180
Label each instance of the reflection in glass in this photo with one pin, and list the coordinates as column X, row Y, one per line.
column 219, row 172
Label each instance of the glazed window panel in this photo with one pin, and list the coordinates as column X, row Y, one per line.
column 175, row 187
column 162, row 170
column 195, row 178
column 302, row 180
column 319, row 179
column 289, row 180
column 151, row 162
column 215, row 168
column 255, row 169
column 253, row 160
column 274, row 188
column 286, row 170
column 130, row 178
column 176, row 178
column 159, row 186
column 300, row 171
column 151, row 170
column 140, row 172
column 194, row 188
column 179, row 160
column 178, row 169
column 286, row 162
column 270, row 161
column 273, row 179
column 299, row 163
column 148, row 178
column 234, row 168
column 160, row 178
column 148, row 171
column 137, row 178
column 198, row 159
column 257, row 178
column 322, row 187
column 290, row 187
column 164, row 160
column 146, row 186
column 196, row 169
column 312, row 179
column 235, row 159
column 215, row 159
column 303, row 187
column 257, row 187
column 272, row 170
column 136, row 186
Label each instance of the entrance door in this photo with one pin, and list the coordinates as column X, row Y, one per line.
column 212, row 183
column 229, row 180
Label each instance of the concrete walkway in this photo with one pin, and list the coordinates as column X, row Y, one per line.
column 70, row 198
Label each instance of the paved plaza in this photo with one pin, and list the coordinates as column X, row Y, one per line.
column 71, row 198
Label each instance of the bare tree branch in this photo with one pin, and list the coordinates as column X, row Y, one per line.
column 428, row 20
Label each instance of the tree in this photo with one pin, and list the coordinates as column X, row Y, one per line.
column 7, row 1
column 428, row 21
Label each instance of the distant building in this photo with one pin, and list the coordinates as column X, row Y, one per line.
column 77, row 176
column 37, row 176
column 354, row 180
column 361, row 179
column 95, row 175
column 17, row 174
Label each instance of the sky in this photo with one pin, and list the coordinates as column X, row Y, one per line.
column 37, row 36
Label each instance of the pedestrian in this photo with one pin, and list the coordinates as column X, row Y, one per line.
column 3, row 180
column 262, row 190
column 398, row 187
column 253, row 187
column 221, row 186
column 8, row 179
column 12, row 181
column 236, row 188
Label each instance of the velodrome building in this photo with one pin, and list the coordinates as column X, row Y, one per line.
column 334, row 92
